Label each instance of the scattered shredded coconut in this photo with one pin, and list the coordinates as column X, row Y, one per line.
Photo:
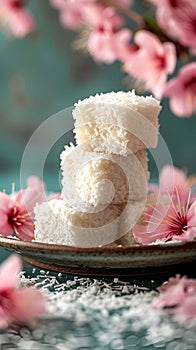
column 88, row 313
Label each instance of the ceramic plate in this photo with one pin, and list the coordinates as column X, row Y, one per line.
column 118, row 260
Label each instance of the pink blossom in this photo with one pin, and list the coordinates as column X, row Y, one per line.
column 34, row 182
column 40, row 187
column 178, row 19
column 14, row 215
column 16, row 210
column 178, row 296
column 172, row 178
column 17, row 305
column 102, row 17
column 71, row 11
column 182, row 91
column 167, row 220
column 14, row 17
column 75, row 13
column 105, row 45
column 107, row 40
column 180, row 181
column 151, row 62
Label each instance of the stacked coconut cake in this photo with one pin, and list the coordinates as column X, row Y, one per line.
column 104, row 177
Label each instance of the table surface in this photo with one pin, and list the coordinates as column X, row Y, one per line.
column 100, row 313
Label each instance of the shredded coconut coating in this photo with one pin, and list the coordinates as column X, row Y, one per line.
column 69, row 227
column 58, row 223
column 91, row 181
column 104, row 177
column 117, row 119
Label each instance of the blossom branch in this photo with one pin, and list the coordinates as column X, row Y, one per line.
column 148, row 52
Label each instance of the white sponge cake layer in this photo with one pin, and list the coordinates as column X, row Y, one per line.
column 104, row 177
column 56, row 222
column 120, row 117
column 91, row 181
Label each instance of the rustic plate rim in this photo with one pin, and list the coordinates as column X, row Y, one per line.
column 26, row 245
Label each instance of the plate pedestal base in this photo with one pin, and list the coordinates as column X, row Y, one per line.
column 147, row 271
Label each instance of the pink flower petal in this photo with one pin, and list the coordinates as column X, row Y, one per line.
column 187, row 72
column 35, row 182
column 178, row 21
column 17, row 305
column 178, row 295
column 188, row 309
column 72, row 12
column 191, row 215
column 171, row 179
column 16, row 210
column 9, row 271
column 26, row 232
column 170, row 56
column 182, row 105
column 28, row 303
column 4, row 319
column 186, row 236
column 149, row 41
column 168, row 172
column 171, row 282
column 29, row 197
column 5, row 202
column 21, row 23
column 167, row 219
column 143, row 233
column 181, row 91
column 172, row 297
column 151, row 62
column 96, row 15
column 5, row 228
column 107, row 46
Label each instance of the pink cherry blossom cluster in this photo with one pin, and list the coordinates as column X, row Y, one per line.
column 106, row 37
column 16, row 210
column 14, row 18
column 18, row 305
column 178, row 296
column 170, row 213
column 148, row 52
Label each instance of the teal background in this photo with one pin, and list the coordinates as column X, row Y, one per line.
column 41, row 75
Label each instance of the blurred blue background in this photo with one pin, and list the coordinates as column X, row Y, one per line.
column 41, row 75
